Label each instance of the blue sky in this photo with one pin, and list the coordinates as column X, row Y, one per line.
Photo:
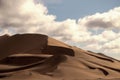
column 76, row 9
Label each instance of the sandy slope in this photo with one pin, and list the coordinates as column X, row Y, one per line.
column 39, row 57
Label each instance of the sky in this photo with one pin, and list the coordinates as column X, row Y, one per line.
column 76, row 9
column 89, row 24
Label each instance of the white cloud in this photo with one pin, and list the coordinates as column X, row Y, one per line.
column 109, row 35
column 105, row 36
column 115, row 44
column 108, row 19
column 112, row 48
column 93, row 47
column 23, row 13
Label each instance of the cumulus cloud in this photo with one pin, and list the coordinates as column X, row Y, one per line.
column 108, row 19
column 105, row 36
column 115, row 44
column 23, row 13
column 28, row 16
column 93, row 47
column 113, row 47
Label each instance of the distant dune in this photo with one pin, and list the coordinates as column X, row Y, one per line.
column 39, row 57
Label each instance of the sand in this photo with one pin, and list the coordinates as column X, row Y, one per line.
column 39, row 57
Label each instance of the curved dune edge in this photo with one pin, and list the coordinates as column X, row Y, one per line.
column 43, row 64
column 61, row 61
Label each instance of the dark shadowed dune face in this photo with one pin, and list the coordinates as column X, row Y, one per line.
column 3, row 38
column 39, row 57
column 30, row 43
column 22, row 43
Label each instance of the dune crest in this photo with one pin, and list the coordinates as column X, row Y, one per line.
column 37, row 56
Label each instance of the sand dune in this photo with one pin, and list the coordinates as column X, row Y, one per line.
column 30, row 43
column 39, row 57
